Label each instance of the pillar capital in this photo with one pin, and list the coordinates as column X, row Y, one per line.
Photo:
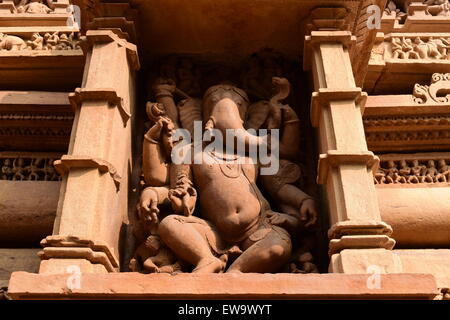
column 335, row 159
column 312, row 41
column 94, row 37
column 324, row 96
column 107, row 95
column 68, row 162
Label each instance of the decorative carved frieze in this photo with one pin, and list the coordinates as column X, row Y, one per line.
column 40, row 41
column 407, row 136
column 34, row 7
column 420, row 121
column 411, row 56
column 417, row 47
column 28, row 167
column 35, row 121
column 406, row 121
column 413, row 169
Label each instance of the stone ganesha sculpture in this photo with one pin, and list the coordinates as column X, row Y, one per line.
column 212, row 214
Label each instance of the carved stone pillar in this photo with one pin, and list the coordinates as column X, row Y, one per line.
column 345, row 165
column 94, row 192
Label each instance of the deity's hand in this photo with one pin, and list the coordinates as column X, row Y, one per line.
column 148, row 206
column 282, row 220
column 163, row 125
column 183, row 199
column 308, row 212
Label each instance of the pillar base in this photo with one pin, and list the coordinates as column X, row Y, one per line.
column 62, row 266
column 60, row 251
column 363, row 261
column 222, row 286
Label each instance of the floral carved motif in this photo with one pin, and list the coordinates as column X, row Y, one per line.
column 438, row 91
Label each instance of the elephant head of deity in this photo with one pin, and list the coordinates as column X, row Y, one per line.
column 225, row 109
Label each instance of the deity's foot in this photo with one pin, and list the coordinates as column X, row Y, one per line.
column 209, row 265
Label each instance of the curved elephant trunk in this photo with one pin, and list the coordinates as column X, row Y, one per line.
column 224, row 116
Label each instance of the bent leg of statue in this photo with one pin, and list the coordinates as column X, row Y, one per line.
column 188, row 241
column 266, row 255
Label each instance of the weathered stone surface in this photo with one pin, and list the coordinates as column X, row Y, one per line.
column 12, row 260
column 27, row 211
column 226, row 286
column 435, row 262
column 232, row 29
column 419, row 214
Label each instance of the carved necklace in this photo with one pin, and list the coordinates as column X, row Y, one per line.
column 230, row 170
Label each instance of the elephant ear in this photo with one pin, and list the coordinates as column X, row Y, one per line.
column 190, row 110
column 257, row 114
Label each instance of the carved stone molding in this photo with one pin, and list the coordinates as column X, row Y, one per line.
column 33, row 121
column 409, row 122
column 72, row 247
column 406, row 121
